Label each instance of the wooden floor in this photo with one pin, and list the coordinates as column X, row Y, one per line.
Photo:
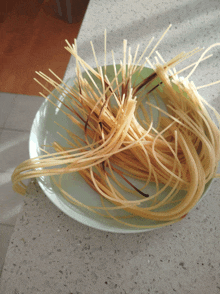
column 33, row 39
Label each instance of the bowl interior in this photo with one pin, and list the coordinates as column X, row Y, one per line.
column 44, row 132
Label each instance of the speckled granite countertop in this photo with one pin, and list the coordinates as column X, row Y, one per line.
column 51, row 253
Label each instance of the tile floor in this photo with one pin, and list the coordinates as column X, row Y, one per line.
column 16, row 116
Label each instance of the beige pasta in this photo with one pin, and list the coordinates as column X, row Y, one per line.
column 122, row 142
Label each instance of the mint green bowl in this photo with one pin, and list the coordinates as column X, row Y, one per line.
column 44, row 132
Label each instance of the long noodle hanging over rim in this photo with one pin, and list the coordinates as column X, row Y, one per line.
column 123, row 143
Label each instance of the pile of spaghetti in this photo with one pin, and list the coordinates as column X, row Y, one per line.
column 123, row 142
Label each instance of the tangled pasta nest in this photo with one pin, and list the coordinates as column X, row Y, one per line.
column 123, row 141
